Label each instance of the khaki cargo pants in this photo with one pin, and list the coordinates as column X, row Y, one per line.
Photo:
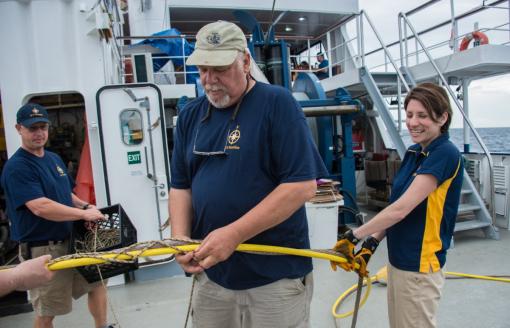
column 284, row 303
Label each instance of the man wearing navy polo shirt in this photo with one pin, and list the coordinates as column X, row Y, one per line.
column 322, row 72
column 40, row 207
column 243, row 166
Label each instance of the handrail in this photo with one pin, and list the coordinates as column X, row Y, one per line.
column 460, row 37
column 458, row 17
column 459, row 106
column 421, row 7
column 388, row 54
column 439, row 44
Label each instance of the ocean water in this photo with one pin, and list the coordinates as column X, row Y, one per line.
column 497, row 140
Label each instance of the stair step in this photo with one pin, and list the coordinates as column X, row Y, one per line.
column 466, row 191
column 463, row 208
column 471, row 224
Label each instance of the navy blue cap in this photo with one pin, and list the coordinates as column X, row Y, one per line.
column 30, row 114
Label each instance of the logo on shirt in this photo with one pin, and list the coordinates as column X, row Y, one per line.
column 233, row 137
column 60, row 171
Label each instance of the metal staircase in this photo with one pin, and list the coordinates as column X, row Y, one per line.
column 472, row 213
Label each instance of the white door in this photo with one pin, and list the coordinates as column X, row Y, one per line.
column 135, row 155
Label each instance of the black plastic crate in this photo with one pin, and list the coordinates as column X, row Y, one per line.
column 121, row 233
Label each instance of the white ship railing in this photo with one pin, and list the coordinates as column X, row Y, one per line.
column 413, row 54
column 176, row 76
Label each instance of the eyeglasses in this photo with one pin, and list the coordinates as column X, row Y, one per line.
column 209, row 153
column 34, row 128
column 232, row 119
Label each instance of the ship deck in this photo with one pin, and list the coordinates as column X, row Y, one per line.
column 465, row 302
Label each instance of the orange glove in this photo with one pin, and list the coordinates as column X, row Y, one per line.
column 345, row 245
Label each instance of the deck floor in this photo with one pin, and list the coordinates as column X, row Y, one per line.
column 465, row 302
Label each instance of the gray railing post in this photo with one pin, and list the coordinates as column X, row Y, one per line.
column 330, row 58
column 183, row 59
column 359, row 36
column 362, row 38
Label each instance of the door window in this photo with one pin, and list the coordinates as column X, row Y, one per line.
column 131, row 128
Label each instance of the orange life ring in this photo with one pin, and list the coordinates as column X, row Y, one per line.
column 477, row 35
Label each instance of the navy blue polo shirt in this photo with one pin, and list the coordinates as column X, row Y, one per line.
column 268, row 143
column 26, row 177
column 419, row 242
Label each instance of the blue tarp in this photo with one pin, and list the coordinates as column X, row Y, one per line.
column 172, row 47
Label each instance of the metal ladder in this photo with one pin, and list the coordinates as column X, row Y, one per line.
column 471, row 202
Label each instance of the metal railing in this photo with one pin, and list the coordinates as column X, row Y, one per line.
column 175, row 75
column 128, row 76
column 443, row 43
column 455, row 37
column 383, row 46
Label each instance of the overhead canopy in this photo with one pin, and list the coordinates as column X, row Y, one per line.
column 171, row 44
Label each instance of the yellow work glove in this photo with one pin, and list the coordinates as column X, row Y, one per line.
column 364, row 254
column 345, row 245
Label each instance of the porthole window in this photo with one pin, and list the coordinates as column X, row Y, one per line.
column 131, row 127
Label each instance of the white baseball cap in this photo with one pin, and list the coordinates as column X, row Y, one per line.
column 217, row 44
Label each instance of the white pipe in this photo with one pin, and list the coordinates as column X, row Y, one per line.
column 330, row 59
column 454, row 28
column 465, row 103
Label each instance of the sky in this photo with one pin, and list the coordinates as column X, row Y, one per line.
column 489, row 104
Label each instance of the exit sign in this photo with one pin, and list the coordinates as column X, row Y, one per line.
column 134, row 157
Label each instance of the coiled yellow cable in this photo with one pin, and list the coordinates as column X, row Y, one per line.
column 341, row 298
column 382, row 276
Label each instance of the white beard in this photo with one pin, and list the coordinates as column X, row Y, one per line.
column 222, row 103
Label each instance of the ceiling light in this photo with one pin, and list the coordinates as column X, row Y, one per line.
column 288, row 29
column 302, row 18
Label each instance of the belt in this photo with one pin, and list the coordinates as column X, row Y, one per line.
column 40, row 243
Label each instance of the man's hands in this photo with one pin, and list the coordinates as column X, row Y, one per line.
column 345, row 245
column 216, row 247
column 188, row 263
column 92, row 214
column 364, row 254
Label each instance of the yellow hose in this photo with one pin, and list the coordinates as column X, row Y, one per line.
column 100, row 258
column 474, row 276
column 382, row 277
column 341, row 298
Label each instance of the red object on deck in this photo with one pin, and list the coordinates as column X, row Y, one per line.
column 84, row 188
column 357, row 141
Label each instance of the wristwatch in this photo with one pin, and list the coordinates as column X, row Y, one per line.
column 84, row 207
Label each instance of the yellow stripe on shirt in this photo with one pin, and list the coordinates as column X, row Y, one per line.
column 432, row 236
